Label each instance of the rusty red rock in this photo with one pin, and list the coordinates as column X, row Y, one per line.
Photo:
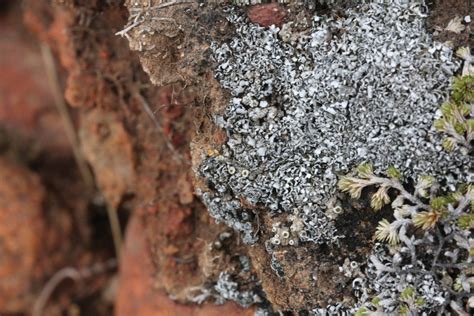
column 267, row 14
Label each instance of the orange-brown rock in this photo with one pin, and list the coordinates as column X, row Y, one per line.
column 137, row 294
column 26, row 103
column 267, row 14
column 21, row 231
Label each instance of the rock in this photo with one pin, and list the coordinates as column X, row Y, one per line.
column 136, row 294
column 27, row 105
column 267, row 14
column 21, row 228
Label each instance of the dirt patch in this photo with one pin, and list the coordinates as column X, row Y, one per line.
column 442, row 12
column 139, row 296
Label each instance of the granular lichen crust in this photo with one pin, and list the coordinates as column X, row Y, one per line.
column 298, row 108
column 308, row 106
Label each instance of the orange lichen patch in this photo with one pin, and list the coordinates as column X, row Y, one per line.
column 21, row 228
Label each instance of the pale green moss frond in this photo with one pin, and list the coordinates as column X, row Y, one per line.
column 394, row 173
column 380, row 198
column 408, row 294
column 365, row 171
column 387, row 232
column 426, row 220
column 423, row 185
column 466, row 221
column 457, row 114
column 464, row 53
column 449, row 143
column 351, row 185
column 363, row 312
column 463, row 89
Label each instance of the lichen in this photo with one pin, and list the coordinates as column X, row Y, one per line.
column 238, row 285
column 364, row 87
column 227, row 289
column 308, row 106
column 309, row 3
column 427, row 266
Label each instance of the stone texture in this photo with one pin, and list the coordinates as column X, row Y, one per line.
column 21, row 228
column 267, row 14
column 137, row 294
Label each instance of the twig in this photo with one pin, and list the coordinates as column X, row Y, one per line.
column 137, row 14
column 127, row 29
column 164, row 5
column 171, row 3
column 51, row 285
column 149, row 112
column 71, row 134
column 68, row 273
column 62, row 109
column 114, row 227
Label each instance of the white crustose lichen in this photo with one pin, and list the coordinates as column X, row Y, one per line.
column 365, row 87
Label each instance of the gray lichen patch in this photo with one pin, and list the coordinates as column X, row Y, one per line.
column 306, row 107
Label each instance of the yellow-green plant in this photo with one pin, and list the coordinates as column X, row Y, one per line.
column 421, row 208
column 429, row 238
column 457, row 119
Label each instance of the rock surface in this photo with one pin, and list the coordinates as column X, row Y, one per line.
column 21, row 223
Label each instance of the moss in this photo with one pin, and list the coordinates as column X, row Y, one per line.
column 442, row 248
column 457, row 119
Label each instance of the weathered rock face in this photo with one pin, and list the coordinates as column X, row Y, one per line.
column 300, row 106
column 158, row 123
column 136, row 138
column 140, row 295
column 42, row 202
column 21, row 206
column 26, row 101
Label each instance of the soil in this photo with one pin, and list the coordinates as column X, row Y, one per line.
column 444, row 11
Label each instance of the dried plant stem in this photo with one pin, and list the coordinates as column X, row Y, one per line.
column 115, row 228
column 51, row 285
column 151, row 114
column 71, row 134
column 68, row 124
column 68, row 273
